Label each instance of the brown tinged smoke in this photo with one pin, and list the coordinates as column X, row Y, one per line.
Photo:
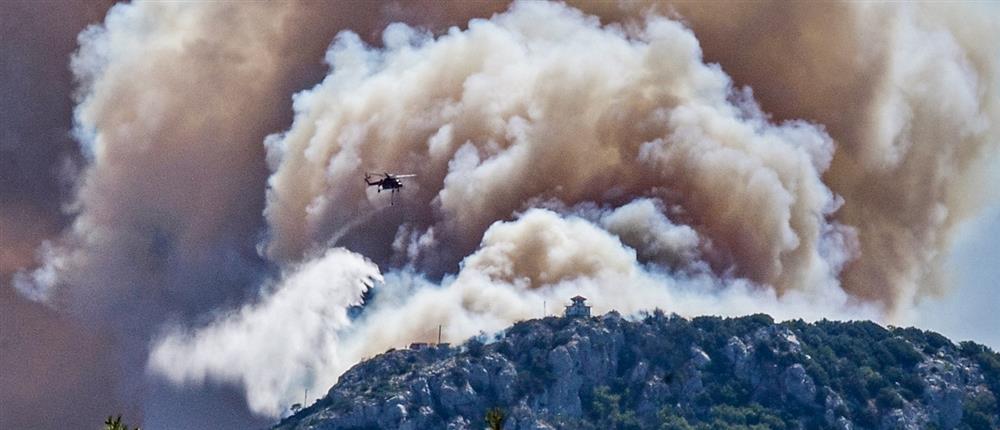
column 46, row 358
column 174, row 102
column 665, row 184
column 171, row 115
column 880, row 122
column 909, row 94
column 515, row 110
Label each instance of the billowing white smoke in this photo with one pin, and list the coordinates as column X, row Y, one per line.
column 298, row 337
column 173, row 102
column 165, row 183
column 543, row 103
column 556, row 156
column 533, row 264
column 296, row 328
column 662, row 186
column 909, row 92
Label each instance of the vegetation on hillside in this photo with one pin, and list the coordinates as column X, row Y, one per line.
column 663, row 371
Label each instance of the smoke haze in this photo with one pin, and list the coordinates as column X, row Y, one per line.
column 804, row 160
column 173, row 102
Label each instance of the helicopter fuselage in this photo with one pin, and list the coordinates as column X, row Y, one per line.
column 387, row 183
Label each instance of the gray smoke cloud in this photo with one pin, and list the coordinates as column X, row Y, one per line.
column 493, row 121
column 162, row 224
column 628, row 152
column 908, row 92
column 172, row 103
column 664, row 184
column 45, row 357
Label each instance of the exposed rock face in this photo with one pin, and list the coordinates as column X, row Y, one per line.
column 799, row 385
column 663, row 371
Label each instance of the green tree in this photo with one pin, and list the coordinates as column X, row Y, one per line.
column 607, row 409
column 674, row 422
column 116, row 424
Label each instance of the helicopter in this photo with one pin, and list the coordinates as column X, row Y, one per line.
column 389, row 182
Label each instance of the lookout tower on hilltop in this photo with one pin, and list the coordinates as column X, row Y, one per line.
column 578, row 308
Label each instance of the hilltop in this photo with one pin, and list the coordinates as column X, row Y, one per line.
column 667, row 372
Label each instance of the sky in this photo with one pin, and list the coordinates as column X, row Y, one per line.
column 966, row 312
column 186, row 239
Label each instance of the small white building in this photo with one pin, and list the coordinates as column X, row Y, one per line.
column 578, row 308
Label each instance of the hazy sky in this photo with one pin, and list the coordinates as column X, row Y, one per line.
column 969, row 312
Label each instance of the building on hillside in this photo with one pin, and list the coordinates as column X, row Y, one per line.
column 578, row 308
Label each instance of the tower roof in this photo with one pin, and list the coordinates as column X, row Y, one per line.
column 578, row 299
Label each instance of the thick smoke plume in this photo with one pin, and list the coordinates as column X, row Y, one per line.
column 543, row 103
column 632, row 153
column 664, row 184
column 173, row 102
column 910, row 94
column 165, row 220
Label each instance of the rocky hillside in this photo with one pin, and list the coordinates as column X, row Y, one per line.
column 667, row 372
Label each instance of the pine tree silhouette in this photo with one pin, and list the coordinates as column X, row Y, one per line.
column 116, row 424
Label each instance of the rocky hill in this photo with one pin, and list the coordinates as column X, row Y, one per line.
column 667, row 372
